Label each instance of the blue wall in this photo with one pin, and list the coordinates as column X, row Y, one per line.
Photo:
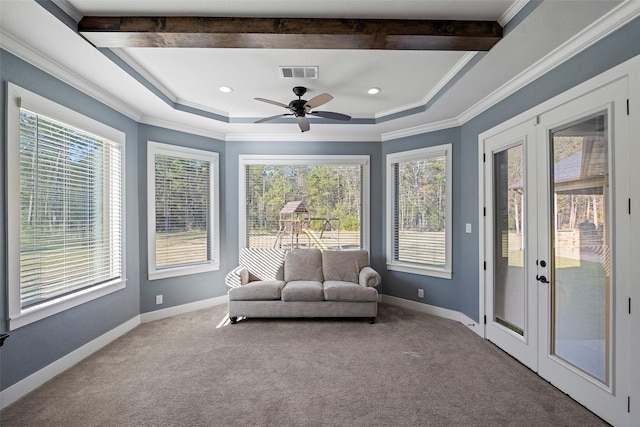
column 437, row 291
column 194, row 287
column 32, row 347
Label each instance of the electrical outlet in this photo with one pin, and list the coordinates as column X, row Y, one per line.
column 158, row 299
column 420, row 293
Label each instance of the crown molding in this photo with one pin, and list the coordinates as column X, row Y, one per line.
column 300, row 137
column 179, row 127
column 68, row 9
column 450, row 75
column 201, row 107
column 44, row 63
column 150, row 79
column 604, row 26
column 513, row 10
column 418, row 130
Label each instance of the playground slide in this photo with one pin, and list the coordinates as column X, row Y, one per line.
column 317, row 243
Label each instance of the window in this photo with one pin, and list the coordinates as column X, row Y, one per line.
column 183, row 210
column 304, row 201
column 419, row 211
column 65, row 208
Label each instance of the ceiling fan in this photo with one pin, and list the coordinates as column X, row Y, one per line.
column 300, row 108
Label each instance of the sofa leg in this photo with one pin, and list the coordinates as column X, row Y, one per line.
column 233, row 320
column 371, row 320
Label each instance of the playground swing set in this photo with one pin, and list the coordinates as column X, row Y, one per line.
column 295, row 219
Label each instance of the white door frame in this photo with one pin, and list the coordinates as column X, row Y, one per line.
column 631, row 70
column 592, row 393
column 519, row 346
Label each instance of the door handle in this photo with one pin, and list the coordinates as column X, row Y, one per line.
column 542, row 279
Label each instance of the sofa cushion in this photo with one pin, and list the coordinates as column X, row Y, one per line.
column 257, row 291
column 335, row 290
column 263, row 264
column 303, row 290
column 344, row 265
column 303, row 264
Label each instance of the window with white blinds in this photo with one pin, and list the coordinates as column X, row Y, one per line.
column 65, row 210
column 419, row 211
column 182, row 210
column 304, row 202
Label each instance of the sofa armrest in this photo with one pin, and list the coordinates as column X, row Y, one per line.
column 369, row 277
column 237, row 277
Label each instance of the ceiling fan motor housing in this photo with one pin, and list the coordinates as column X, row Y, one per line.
column 297, row 106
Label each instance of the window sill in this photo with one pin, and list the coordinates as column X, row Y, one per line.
column 58, row 305
column 417, row 269
column 182, row 271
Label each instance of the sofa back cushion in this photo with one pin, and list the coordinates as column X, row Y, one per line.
column 344, row 265
column 303, row 264
column 263, row 264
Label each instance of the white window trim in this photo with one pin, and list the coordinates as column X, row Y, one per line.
column 17, row 98
column 403, row 156
column 213, row 264
column 252, row 159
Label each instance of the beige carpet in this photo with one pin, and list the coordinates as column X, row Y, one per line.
column 409, row 369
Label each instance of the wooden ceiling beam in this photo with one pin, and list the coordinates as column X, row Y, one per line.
column 289, row 33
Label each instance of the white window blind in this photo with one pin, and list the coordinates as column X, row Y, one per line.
column 419, row 209
column 305, row 202
column 182, row 211
column 70, row 210
column 182, row 202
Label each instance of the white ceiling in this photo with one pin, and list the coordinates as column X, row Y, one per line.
column 409, row 79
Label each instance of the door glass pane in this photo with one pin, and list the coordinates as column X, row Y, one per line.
column 581, row 269
column 509, row 280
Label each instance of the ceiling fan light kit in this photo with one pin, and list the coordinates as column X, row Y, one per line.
column 301, row 107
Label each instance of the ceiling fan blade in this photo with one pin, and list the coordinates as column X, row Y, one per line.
column 268, row 101
column 303, row 122
column 266, row 119
column 317, row 101
column 331, row 115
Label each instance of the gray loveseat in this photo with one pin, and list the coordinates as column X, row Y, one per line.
column 303, row 283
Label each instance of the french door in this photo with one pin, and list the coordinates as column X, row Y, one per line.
column 510, row 182
column 557, row 225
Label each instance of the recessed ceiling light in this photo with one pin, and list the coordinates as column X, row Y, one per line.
column 225, row 89
column 374, row 91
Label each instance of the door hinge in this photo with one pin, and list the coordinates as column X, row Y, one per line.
column 485, row 265
column 484, row 211
column 484, row 157
column 629, row 305
column 629, row 404
column 629, row 206
column 627, row 106
column 485, row 320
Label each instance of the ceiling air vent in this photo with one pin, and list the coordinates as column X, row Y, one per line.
column 299, row 72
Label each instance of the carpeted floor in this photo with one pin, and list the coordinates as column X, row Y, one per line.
column 409, row 369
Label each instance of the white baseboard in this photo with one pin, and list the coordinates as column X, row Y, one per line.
column 35, row 380
column 436, row 311
column 181, row 309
